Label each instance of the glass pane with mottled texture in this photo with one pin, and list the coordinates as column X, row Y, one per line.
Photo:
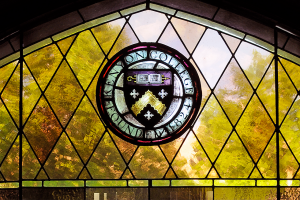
column 64, row 93
column 288, row 164
column 212, row 128
column 255, row 174
column 148, row 162
column 213, row 174
column 190, row 33
column 126, row 38
column 106, row 34
column 65, row 44
column 43, row 64
column 234, row 161
column 293, row 71
column 5, row 73
column 212, row 56
column 63, row 162
column 84, row 174
column 289, row 193
column 106, row 162
column 245, row 193
column 10, row 165
column 1, row 178
column 85, row 129
column 30, row 164
column 267, row 162
column 127, row 175
column 11, row 194
column 11, row 95
column 254, row 61
column 255, row 128
column 85, row 57
column 266, row 91
column 232, row 42
column 42, row 129
column 42, row 175
column 170, row 174
column 287, row 92
column 191, row 161
column 46, row 193
column 171, row 39
column 148, row 25
column 233, row 91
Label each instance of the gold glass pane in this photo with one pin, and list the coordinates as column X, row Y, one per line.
column 213, row 174
column 42, row 129
column 191, row 161
column 254, row 61
column 189, row 32
column 85, row 57
column 212, row 56
column 255, row 174
column 10, row 165
column 1, row 178
column 232, row 42
column 212, row 128
column 267, row 162
column 234, row 161
column 148, row 162
column 245, row 193
column 127, row 175
column 64, row 93
column 148, row 25
column 170, row 174
column 255, row 128
column 233, row 91
column 65, row 44
column 42, row 175
column 84, row 174
column 43, row 64
column 85, row 129
column 293, row 70
column 5, row 73
column 30, row 164
column 171, row 39
column 63, row 162
column 106, row 34
column 106, row 162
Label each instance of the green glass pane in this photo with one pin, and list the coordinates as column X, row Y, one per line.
column 65, row 44
column 232, row 42
column 32, row 183
column 191, row 182
column 85, row 57
column 10, row 58
column 162, row 9
column 107, row 33
column 233, row 91
column 8, row 131
column 170, row 174
column 84, row 174
column 234, row 182
column 30, row 164
column 5, row 73
column 191, row 161
column 171, row 39
column 42, row 175
column 9, row 185
column 114, row 183
column 245, row 193
column 260, row 43
column 255, row 174
column 234, row 161
column 293, row 71
column 11, row 95
column 160, row 183
column 127, row 175
column 64, row 93
column 63, row 184
column 255, row 128
column 189, row 32
column 254, row 61
column 289, row 56
column 267, row 162
column 138, row 183
column 31, row 92
column 148, row 162
column 126, row 38
column 212, row 128
column 287, row 92
column 212, row 56
column 288, row 164
column 43, row 64
column 291, row 128
column 133, row 9
column 85, row 129
column 106, row 162
column 63, row 162
column 213, row 174
column 42, row 129
column 10, row 165
column 37, row 46
column 266, row 91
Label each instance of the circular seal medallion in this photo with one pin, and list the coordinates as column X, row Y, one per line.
column 148, row 94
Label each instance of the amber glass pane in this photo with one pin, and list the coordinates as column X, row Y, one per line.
column 289, row 193
column 106, row 162
column 42, row 175
column 148, row 25
column 293, row 71
column 212, row 128
column 64, row 93
column 232, row 42
column 65, row 44
column 189, row 32
column 42, row 129
column 170, row 174
column 191, row 161
column 234, row 161
column 127, row 175
column 254, row 61
column 255, row 174
column 85, row 129
column 106, row 34
column 213, row 174
column 43, row 64
column 148, row 162
column 233, row 91
column 84, row 174
column 85, row 57
column 5, row 73
column 212, row 56
column 245, row 193
column 10, row 165
column 63, row 162
column 255, row 128
column 30, row 164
